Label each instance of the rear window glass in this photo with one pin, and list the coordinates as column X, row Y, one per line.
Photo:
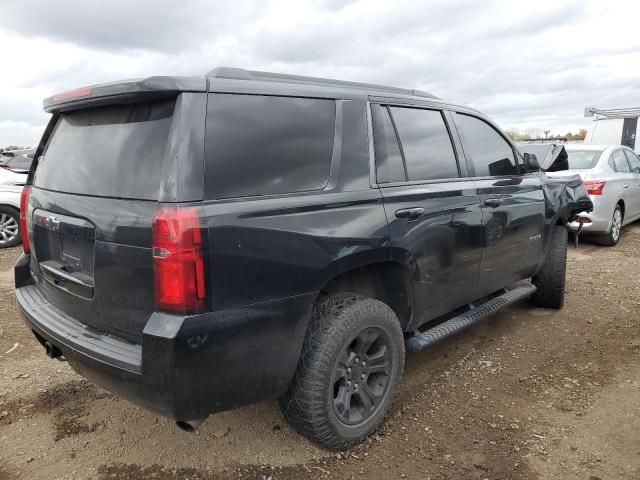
column 262, row 145
column 583, row 159
column 115, row 151
column 20, row 162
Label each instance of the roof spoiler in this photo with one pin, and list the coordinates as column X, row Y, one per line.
column 123, row 92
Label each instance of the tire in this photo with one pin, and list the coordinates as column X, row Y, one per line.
column 327, row 399
column 550, row 280
column 10, row 234
column 611, row 239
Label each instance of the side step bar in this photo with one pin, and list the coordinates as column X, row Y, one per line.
column 421, row 340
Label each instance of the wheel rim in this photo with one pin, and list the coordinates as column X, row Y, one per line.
column 8, row 228
column 617, row 224
column 361, row 376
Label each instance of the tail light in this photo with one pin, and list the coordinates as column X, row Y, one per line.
column 24, row 205
column 594, row 187
column 178, row 260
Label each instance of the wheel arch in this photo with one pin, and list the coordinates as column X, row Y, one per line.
column 386, row 281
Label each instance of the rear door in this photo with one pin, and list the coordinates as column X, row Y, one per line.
column 634, row 193
column 513, row 205
column 433, row 211
column 622, row 184
column 95, row 190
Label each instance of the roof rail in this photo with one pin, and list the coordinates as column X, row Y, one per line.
column 242, row 74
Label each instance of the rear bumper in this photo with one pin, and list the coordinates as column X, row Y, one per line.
column 600, row 217
column 187, row 366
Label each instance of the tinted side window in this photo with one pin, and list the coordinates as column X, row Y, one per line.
column 490, row 154
column 426, row 144
column 389, row 166
column 634, row 161
column 620, row 163
column 259, row 145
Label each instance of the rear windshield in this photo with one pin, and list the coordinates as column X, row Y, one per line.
column 114, row 151
column 583, row 159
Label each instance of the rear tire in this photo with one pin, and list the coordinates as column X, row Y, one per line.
column 551, row 278
column 351, row 362
column 10, row 234
column 612, row 238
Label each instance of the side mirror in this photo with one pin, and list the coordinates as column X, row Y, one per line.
column 531, row 163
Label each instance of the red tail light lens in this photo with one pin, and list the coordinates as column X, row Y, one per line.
column 177, row 260
column 24, row 205
column 594, row 187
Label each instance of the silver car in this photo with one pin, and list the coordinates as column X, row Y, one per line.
column 611, row 174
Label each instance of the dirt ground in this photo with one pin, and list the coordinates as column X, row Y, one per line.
column 528, row 394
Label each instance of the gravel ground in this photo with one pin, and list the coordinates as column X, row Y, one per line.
column 528, row 394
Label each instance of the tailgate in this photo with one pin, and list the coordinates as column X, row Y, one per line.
column 94, row 194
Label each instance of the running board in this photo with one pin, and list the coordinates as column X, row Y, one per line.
column 421, row 340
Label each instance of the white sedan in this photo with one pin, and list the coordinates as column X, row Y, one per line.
column 611, row 174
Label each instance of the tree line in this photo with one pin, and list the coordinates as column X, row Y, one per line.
column 537, row 134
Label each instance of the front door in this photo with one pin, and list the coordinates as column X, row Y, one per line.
column 434, row 214
column 513, row 206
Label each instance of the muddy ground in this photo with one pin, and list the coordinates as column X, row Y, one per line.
column 528, row 394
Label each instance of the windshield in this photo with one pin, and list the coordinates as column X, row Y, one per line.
column 583, row 159
column 114, row 151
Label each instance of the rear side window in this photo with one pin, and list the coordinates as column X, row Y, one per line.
column 634, row 161
column 261, row 145
column 620, row 163
column 490, row 153
column 389, row 165
column 426, row 144
column 114, row 151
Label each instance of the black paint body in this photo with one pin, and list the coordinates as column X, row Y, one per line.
column 268, row 257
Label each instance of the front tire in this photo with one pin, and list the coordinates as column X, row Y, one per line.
column 351, row 362
column 612, row 238
column 551, row 278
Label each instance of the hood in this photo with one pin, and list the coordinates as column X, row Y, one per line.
column 551, row 156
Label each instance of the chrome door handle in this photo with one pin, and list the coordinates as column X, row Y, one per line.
column 410, row 213
column 492, row 202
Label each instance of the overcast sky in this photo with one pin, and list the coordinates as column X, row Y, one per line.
column 525, row 63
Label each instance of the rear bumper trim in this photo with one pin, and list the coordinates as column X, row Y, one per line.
column 72, row 334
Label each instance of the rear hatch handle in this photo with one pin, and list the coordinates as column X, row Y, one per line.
column 59, row 275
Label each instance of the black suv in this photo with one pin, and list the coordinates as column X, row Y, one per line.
column 197, row 244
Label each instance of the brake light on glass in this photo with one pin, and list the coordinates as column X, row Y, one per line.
column 177, row 260
column 24, row 205
column 594, row 187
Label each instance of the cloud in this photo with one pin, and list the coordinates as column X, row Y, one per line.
column 526, row 64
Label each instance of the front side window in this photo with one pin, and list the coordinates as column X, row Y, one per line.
column 620, row 163
column 426, row 144
column 263, row 145
column 490, row 153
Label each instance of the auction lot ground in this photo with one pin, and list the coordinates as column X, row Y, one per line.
column 530, row 393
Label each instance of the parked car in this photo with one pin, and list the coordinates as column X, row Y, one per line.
column 20, row 163
column 611, row 174
column 10, row 234
column 245, row 236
